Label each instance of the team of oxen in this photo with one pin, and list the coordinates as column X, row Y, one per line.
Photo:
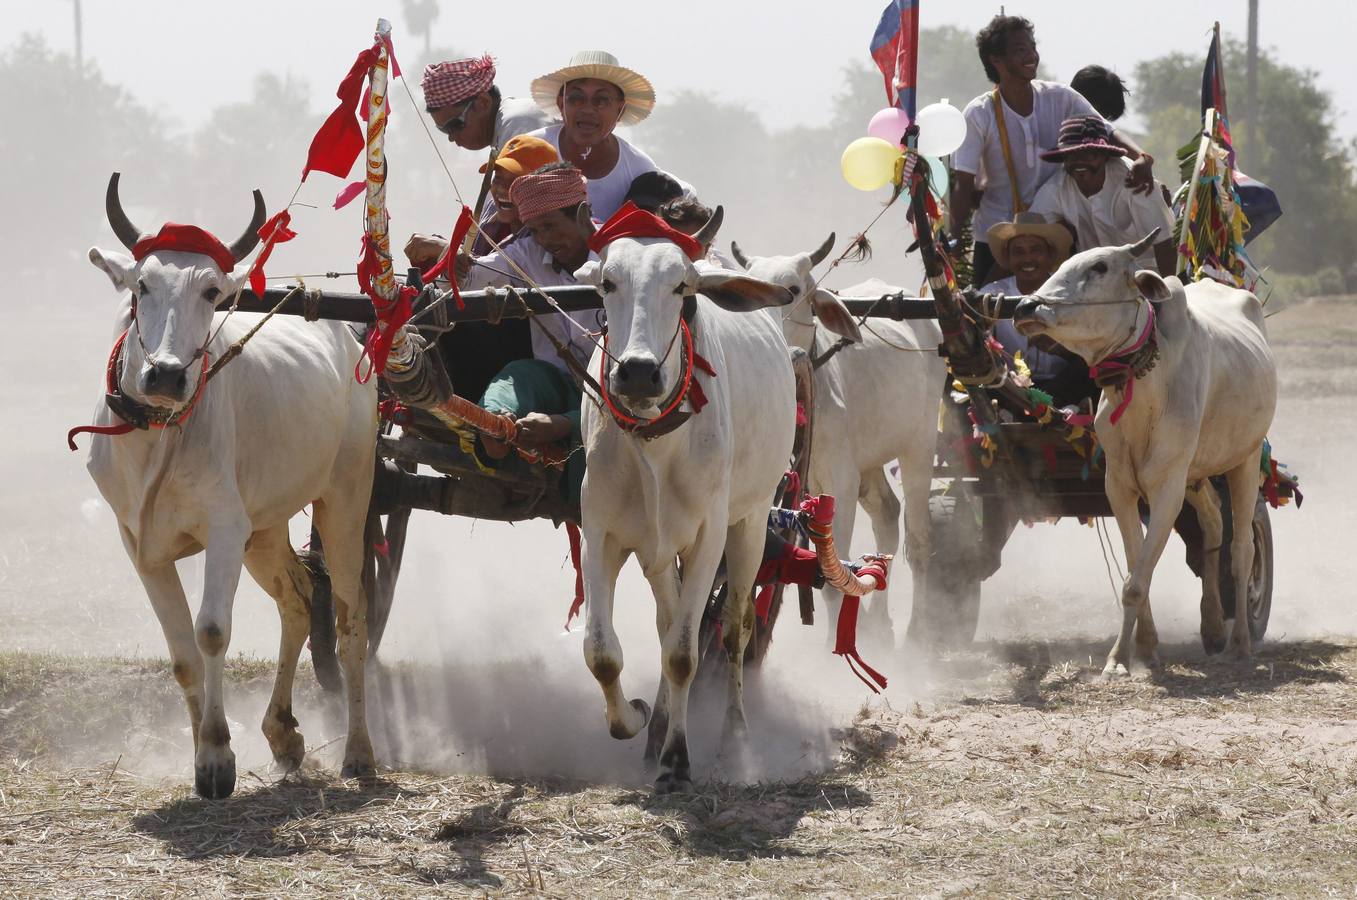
column 286, row 425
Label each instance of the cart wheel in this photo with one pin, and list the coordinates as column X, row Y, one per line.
column 1259, row 599
column 947, row 614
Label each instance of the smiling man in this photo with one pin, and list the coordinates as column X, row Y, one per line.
column 1006, row 130
column 1091, row 195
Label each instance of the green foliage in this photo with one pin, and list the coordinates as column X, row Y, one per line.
column 1294, row 152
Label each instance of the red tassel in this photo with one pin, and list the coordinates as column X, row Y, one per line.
column 274, row 231
column 445, row 267
column 572, row 531
column 846, row 644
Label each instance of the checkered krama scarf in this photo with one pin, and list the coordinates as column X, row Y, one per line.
column 447, row 83
column 543, row 192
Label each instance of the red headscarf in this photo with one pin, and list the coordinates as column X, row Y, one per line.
column 187, row 239
column 632, row 221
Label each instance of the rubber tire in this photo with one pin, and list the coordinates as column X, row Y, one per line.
column 950, row 610
column 1260, row 579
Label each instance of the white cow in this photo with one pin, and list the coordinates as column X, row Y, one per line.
column 283, row 425
column 1199, row 408
column 688, row 496
column 875, row 401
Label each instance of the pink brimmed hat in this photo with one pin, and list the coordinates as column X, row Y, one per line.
column 1082, row 133
column 446, row 83
column 600, row 64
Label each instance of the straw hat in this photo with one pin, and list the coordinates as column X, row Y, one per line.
column 1034, row 223
column 600, row 64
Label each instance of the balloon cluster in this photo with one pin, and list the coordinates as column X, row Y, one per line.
column 869, row 162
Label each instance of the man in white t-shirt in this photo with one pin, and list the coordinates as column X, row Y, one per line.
column 464, row 103
column 1090, row 194
column 1032, row 111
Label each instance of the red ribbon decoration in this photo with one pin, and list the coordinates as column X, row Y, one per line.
column 340, row 140
column 391, row 314
column 444, row 267
column 572, row 531
column 632, row 221
column 274, row 231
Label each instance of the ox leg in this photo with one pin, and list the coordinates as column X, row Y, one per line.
column 744, row 552
column 1165, row 504
column 678, row 650
column 166, row 593
column 665, row 586
column 1243, row 482
column 600, row 560
column 1206, row 503
column 341, row 519
column 271, row 562
column 215, row 764
column 878, row 498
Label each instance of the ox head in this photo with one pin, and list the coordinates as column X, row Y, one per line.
column 1091, row 303
column 174, row 295
column 644, row 282
column 809, row 302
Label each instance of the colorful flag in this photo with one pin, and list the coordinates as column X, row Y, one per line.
column 895, row 50
column 1213, row 79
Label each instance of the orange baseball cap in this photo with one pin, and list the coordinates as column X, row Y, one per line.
column 523, row 154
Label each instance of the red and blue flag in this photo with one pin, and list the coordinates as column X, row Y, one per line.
column 895, row 50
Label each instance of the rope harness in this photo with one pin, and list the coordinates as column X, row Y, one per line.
column 1123, row 367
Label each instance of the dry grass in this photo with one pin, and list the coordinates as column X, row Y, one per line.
column 1024, row 776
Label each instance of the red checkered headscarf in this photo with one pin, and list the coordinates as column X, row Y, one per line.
column 447, row 83
column 546, row 191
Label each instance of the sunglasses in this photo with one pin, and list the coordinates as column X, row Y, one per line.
column 457, row 122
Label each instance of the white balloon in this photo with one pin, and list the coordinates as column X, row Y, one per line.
column 942, row 128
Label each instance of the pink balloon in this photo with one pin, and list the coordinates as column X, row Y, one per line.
column 889, row 125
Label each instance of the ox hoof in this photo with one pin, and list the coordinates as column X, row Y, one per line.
column 1240, row 652
column 358, row 769
column 629, row 725
column 215, row 780
column 671, row 783
column 1213, row 644
column 1115, row 671
column 288, row 757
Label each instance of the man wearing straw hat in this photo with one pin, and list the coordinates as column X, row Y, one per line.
column 594, row 94
column 1090, row 194
column 464, row 103
column 1032, row 247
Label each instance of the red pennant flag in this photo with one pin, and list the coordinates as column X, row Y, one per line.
column 340, row 140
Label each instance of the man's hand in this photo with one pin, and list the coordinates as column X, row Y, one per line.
column 1141, row 177
column 423, row 250
column 536, row 430
column 462, row 266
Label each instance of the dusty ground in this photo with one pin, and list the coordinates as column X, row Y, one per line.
column 1005, row 769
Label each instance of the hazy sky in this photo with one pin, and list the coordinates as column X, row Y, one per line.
column 781, row 58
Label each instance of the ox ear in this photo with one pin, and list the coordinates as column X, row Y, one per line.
column 830, row 310
column 589, row 272
column 740, row 293
column 117, row 266
column 1151, row 286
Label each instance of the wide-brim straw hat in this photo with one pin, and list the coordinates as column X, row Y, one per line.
column 600, row 64
column 1034, row 223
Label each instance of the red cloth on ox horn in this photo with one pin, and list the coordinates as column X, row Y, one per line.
column 632, row 221
column 274, row 231
column 186, row 239
column 340, row 140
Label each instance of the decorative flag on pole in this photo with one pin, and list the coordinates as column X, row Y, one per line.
column 895, row 50
column 1213, row 83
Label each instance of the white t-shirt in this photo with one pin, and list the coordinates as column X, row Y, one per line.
column 982, row 154
column 538, row 264
column 517, row 116
column 607, row 194
column 1114, row 216
column 1041, row 364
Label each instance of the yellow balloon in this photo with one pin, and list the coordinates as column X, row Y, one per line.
column 869, row 162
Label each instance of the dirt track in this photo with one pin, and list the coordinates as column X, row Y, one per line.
column 1005, row 769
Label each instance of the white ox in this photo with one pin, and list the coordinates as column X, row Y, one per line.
column 283, row 425
column 1202, row 410
column 688, row 496
column 875, row 402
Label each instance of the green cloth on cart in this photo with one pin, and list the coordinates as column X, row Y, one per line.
column 535, row 385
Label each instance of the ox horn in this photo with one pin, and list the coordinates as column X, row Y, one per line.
column 127, row 233
column 740, row 258
column 707, row 233
column 1143, row 244
column 819, row 255
column 584, row 219
column 247, row 241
